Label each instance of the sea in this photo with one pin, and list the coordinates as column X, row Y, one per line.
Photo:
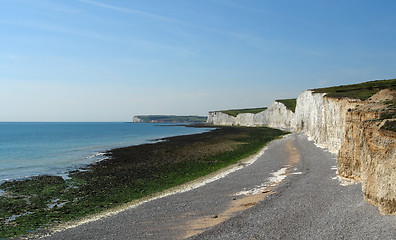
column 55, row 148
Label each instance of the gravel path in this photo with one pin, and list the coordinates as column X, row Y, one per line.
column 288, row 193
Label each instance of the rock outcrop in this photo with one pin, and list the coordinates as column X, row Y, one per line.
column 368, row 153
column 351, row 128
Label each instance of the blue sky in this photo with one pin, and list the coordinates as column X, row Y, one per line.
column 102, row 60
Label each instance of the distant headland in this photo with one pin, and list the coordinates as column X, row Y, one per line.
column 168, row 119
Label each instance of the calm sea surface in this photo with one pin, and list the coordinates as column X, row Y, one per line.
column 28, row 149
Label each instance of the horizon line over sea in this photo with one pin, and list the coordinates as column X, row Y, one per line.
column 55, row 148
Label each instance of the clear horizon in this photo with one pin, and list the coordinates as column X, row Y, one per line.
column 106, row 61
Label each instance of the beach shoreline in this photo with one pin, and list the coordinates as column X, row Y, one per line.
column 289, row 192
column 56, row 148
column 199, row 182
column 133, row 173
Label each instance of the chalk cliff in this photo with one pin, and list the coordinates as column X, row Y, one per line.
column 276, row 116
column 220, row 118
column 323, row 118
column 351, row 128
column 137, row 120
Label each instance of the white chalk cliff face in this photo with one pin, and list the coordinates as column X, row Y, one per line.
column 219, row 118
column 276, row 116
column 137, row 120
column 323, row 119
column 347, row 127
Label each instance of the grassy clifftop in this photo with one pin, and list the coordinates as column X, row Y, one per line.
column 235, row 112
column 169, row 119
column 289, row 103
column 361, row 91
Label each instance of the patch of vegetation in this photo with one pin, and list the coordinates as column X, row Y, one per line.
column 389, row 125
column 235, row 112
column 25, row 204
column 289, row 103
column 131, row 173
column 390, row 103
column 361, row 91
column 388, row 115
column 171, row 119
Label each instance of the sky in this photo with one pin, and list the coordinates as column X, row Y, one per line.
column 102, row 60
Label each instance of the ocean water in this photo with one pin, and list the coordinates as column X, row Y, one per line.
column 28, row 149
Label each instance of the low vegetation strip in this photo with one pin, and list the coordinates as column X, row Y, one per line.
column 361, row 91
column 289, row 103
column 235, row 112
column 130, row 173
column 171, row 118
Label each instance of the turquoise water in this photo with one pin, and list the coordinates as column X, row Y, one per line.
column 28, row 149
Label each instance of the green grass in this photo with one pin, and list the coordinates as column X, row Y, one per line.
column 289, row 103
column 391, row 104
column 132, row 173
column 389, row 125
column 361, row 91
column 171, row 118
column 235, row 112
column 388, row 115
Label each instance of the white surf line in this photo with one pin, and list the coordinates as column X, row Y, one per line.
column 175, row 190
